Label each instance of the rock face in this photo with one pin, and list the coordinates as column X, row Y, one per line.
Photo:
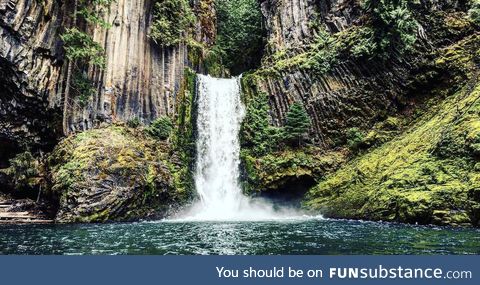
column 429, row 174
column 401, row 127
column 291, row 23
column 111, row 174
column 141, row 79
column 30, row 68
column 353, row 92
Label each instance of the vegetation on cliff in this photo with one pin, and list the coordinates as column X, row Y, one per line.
column 427, row 174
column 82, row 50
column 172, row 22
column 240, row 34
column 232, row 34
column 276, row 158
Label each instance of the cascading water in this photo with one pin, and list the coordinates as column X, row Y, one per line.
column 220, row 114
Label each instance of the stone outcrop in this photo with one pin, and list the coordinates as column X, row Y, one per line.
column 291, row 24
column 354, row 92
column 111, row 174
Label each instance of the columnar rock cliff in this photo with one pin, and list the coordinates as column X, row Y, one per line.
column 30, row 70
column 140, row 80
column 353, row 92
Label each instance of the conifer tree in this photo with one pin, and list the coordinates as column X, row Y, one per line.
column 297, row 124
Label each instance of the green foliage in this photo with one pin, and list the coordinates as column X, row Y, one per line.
column 133, row 123
column 78, row 44
column 323, row 54
column 326, row 51
column 24, row 169
column 395, row 27
column 83, row 88
column 257, row 133
column 355, row 139
column 161, row 128
column 81, row 46
column 213, row 61
column 356, row 42
column 240, row 34
column 297, row 124
column 172, row 20
column 94, row 10
column 474, row 12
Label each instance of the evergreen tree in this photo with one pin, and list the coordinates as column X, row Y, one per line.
column 256, row 129
column 80, row 48
column 297, row 124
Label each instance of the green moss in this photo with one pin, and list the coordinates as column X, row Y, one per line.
column 274, row 170
column 184, row 143
column 406, row 179
column 113, row 174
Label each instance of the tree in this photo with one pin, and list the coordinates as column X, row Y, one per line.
column 172, row 20
column 297, row 125
column 80, row 46
column 240, row 34
column 256, row 129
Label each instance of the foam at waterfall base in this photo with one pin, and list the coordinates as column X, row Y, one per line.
column 249, row 210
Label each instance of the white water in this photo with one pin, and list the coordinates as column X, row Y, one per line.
column 220, row 114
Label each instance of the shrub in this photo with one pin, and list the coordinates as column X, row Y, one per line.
column 355, row 139
column 324, row 53
column 394, row 24
column 171, row 21
column 23, row 169
column 133, row 123
column 161, row 128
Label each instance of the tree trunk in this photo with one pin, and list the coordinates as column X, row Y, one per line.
column 69, row 78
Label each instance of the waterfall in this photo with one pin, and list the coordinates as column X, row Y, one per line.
column 220, row 113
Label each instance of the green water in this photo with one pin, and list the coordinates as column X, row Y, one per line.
column 314, row 236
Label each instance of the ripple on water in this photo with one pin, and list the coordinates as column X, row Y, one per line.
column 300, row 236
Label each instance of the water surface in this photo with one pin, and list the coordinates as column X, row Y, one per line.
column 309, row 236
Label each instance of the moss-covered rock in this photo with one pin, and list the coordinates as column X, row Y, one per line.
column 112, row 174
column 289, row 167
column 428, row 174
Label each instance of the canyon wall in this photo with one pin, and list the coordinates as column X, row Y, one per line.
column 140, row 80
column 353, row 92
column 30, row 69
